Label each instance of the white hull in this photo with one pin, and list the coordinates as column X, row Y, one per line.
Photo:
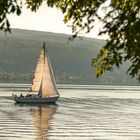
column 36, row 99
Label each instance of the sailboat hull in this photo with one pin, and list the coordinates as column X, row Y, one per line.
column 36, row 99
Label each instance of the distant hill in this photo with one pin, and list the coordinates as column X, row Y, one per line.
column 71, row 60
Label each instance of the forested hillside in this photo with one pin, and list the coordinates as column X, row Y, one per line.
column 71, row 60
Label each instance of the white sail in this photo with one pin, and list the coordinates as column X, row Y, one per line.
column 48, row 86
column 38, row 73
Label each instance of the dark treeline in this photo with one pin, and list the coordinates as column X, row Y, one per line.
column 71, row 60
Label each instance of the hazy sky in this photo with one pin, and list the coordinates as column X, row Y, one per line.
column 45, row 19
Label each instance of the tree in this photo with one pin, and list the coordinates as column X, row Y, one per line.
column 121, row 21
column 8, row 7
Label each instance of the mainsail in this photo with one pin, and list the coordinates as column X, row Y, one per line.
column 44, row 81
column 38, row 73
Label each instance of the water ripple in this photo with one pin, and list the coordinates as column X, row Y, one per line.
column 79, row 115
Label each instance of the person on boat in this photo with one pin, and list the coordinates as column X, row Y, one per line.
column 21, row 95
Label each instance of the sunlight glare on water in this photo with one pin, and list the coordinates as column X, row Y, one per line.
column 82, row 113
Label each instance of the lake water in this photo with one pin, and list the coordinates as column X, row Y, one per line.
column 82, row 113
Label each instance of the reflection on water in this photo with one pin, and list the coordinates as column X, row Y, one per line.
column 112, row 113
column 22, row 122
column 41, row 117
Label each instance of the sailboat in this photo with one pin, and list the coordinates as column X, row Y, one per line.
column 43, row 89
